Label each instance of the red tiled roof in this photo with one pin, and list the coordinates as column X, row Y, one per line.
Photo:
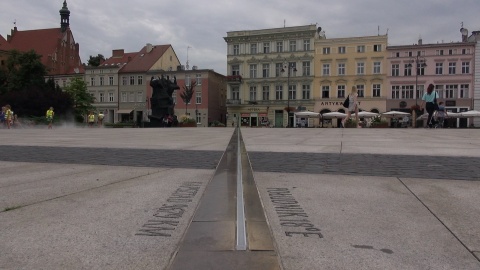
column 119, row 61
column 4, row 45
column 143, row 61
column 45, row 42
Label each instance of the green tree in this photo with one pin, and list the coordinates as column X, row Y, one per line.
column 22, row 70
column 95, row 61
column 187, row 94
column 82, row 100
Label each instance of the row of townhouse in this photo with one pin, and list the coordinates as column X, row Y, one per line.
column 122, row 91
column 275, row 71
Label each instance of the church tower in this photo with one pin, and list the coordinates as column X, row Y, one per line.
column 64, row 17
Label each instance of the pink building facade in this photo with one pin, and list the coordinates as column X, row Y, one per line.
column 448, row 66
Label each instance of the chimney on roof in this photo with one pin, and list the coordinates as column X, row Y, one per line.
column 118, row 53
column 149, row 47
column 420, row 40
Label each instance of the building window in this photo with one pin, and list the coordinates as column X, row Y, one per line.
column 377, row 67
column 408, row 70
column 407, row 91
column 420, row 69
column 420, row 90
column 325, row 91
column 438, row 68
column 450, row 90
column 278, row 92
column 198, row 79
column 235, row 93
column 253, row 93
column 278, row 69
column 187, row 80
column 131, row 97
column 198, row 116
column 92, row 81
column 292, row 92
column 111, row 97
column 377, row 47
column 110, row 80
column 361, row 90
column 341, row 91
column 360, row 68
column 396, row 92
column 438, row 89
column 451, row 68
column 198, row 97
column 376, row 90
column 279, row 46
column 408, row 54
column 266, row 70
column 395, row 70
column 266, row 92
column 342, row 50
column 101, row 97
column 326, row 70
column 306, row 68
column 235, row 70
column 306, row 91
column 140, row 80
column 124, row 96
column 306, row 45
column 293, row 45
column 102, row 80
column 132, row 80
column 124, row 80
column 452, row 51
column 465, row 67
column 463, row 91
column 465, row 51
column 139, row 96
column 253, row 48
column 253, row 71
column 341, row 68
column 361, row 48
column 326, row 50
column 266, row 47
column 236, row 49
column 439, row 52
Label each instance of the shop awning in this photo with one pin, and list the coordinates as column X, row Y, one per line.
column 125, row 111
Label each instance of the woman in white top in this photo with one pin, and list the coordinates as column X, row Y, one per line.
column 352, row 106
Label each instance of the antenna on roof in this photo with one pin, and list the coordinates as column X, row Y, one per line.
column 284, row 21
column 186, row 66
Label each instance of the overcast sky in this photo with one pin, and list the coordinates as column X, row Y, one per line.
column 102, row 25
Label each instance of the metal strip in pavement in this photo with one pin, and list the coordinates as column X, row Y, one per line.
column 209, row 242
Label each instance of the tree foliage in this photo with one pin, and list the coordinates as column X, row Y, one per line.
column 23, row 86
column 22, row 70
column 82, row 100
column 187, row 94
column 95, row 61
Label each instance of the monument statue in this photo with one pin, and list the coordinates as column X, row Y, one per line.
column 162, row 101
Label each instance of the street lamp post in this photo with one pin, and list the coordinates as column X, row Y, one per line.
column 291, row 67
column 420, row 62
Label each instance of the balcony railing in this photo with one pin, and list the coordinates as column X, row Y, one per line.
column 234, row 101
column 234, row 79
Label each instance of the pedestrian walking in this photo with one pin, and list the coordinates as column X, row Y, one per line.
column 352, row 106
column 49, row 115
column 429, row 100
column 91, row 119
column 8, row 116
column 100, row 119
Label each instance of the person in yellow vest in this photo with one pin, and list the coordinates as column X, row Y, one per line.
column 49, row 114
column 100, row 119
column 91, row 119
column 8, row 116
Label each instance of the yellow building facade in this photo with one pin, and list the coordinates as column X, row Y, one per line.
column 341, row 63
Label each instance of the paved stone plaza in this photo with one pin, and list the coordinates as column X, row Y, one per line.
column 80, row 198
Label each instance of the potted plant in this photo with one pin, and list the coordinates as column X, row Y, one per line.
column 378, row 122
column 217, row 123
column 186, row 121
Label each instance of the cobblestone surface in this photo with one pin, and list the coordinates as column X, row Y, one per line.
column 461, row 168
column 112, row 156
